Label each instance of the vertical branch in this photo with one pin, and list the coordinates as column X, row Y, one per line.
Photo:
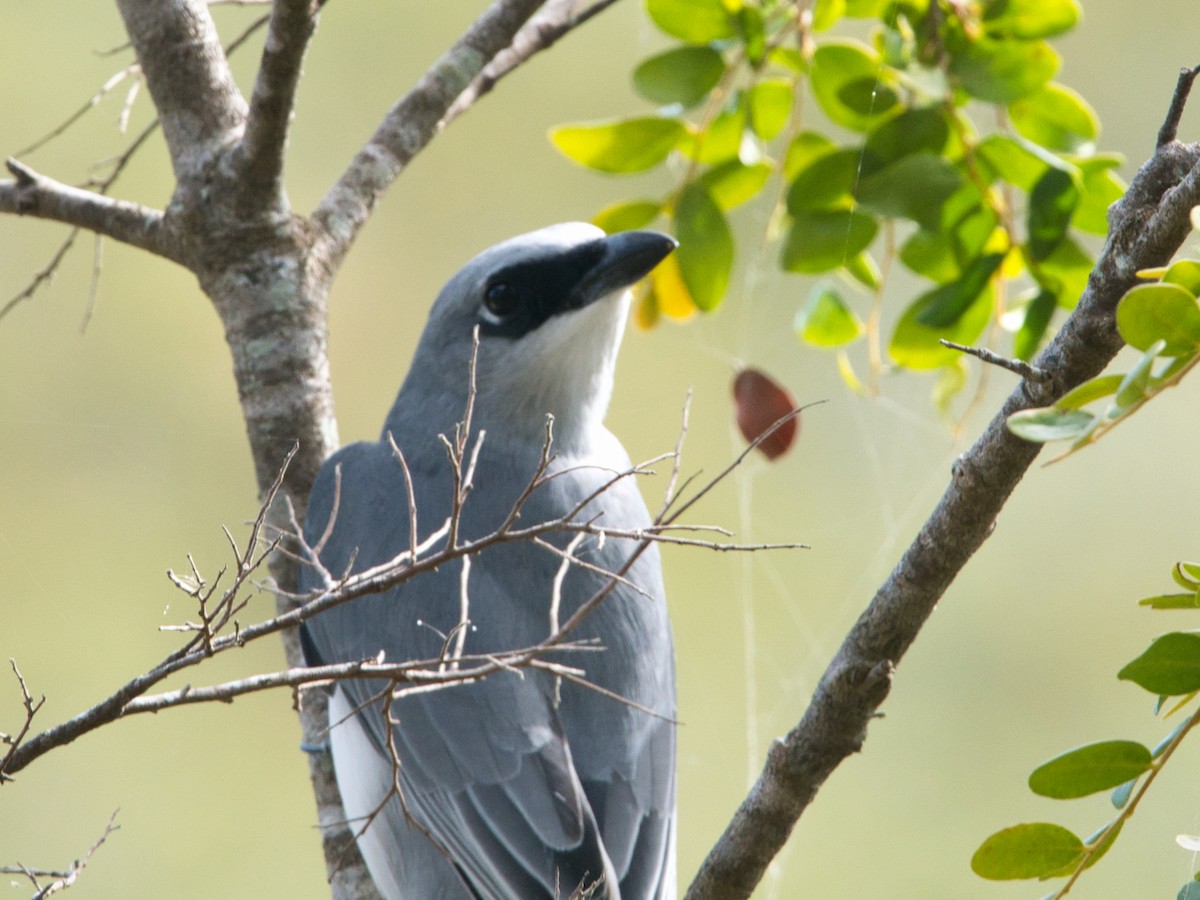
column 259, row 155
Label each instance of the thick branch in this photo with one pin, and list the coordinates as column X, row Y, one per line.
column 259, row 156
column 409, row 126
column 32, row 194
column 1146, row 228
column 185, row 68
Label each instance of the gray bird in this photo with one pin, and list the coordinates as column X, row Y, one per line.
column 520, row 786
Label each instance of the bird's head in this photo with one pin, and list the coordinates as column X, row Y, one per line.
column 550, row 308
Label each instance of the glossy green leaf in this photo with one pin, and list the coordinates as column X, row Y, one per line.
column 915, row 345
column 914, row 187
column 1031, row 850
column 945, row 305
column 733, row 183
column 804, row 150
column 845, row 74
column 621, row 145
column 694, row 21
column 1029, row 19
column 1090, row 391
column 1037, row 314
column 1172, row 601
column 1170, row 666
column 1090, row 769
column 705, row 251
column 821, row 240
column 1186, row 274
column 627, row 215
column 826, row 320
column 1167, row 312
column 828, row 181
column 1001, row 71
column 1190, row 891
column 923, row 129
column 1051, row 203
column 769, row 104
column 1049, row 424
column 1137, row 380
column 1055, row 116
column 681, row 75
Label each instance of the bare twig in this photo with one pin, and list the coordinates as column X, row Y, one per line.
column 64, row 878
column 1183, row 87
column 31, row 709
column 409, row 126
column 553, row 21
column 1019, row 366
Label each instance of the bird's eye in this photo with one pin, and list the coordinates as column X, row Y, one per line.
column 501, row 299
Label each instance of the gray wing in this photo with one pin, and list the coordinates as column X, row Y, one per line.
column 530, row 787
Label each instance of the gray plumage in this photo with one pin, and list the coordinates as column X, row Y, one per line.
column 526, row 788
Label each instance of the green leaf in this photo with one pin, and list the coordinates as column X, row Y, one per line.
column 1133, row 386
column 804, row 150
column 951, row 380
column 721, row 141
column 826, row 14
column 914, row 187
column 1170, row 665
column 1090, row 391
column 915, row 345
column 931, row 253
column 733, row 183
column 923, row 129
column 826, row 320
column 1019, row 161
column 1090, row 769
column 1153, row 312
column 769, row 104
column 693, row 21
column 1051, row 203
column 682, row 75
column 1102, row 187
column 845, row 79
column 621, row 145
column 1055, row 116
column 753, row 31
column 945, row 305
column 865, row 271
column 1065, row 272
column 1190, row 891
column 828, row 181
column 1032, row 850
column 1049, row 424
column 1037, row 314
column 820, row 240
column 1029, row 19
column 1001, row 71
column 627, row 215
column 1186, row 274
column 705, row 251
column 1172, row 601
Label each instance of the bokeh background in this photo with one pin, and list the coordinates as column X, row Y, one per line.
column 122, row 451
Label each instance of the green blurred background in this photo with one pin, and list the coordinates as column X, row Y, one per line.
column 122, row 450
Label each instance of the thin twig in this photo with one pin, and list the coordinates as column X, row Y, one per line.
column 1019, row 366
column 1183, row 87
